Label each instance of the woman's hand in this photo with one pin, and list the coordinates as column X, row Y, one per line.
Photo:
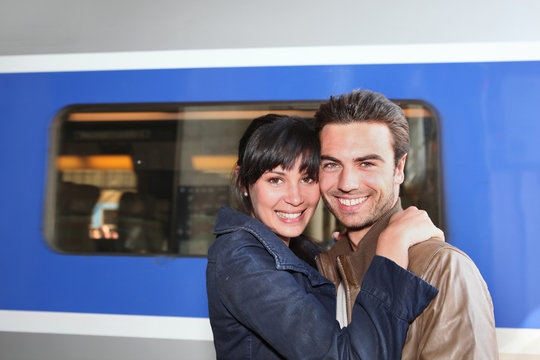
column 338, row 235
column 405, row 229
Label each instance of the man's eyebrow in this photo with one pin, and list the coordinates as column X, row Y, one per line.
column 330, row 158
column 369, row 157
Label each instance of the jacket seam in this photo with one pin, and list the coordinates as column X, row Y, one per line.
column 434, row 253
column 383, row 304
column 301, row 268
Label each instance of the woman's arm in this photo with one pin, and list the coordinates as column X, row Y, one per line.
column 405, row 229
column 300, row 324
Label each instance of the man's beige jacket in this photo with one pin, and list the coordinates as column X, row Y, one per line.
column 458, row 324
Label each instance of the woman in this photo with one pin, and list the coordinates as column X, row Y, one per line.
column 267, row 303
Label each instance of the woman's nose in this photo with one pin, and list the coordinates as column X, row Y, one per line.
column 294, row 195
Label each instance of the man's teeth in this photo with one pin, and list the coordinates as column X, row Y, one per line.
column 288, row 215
column 352, row 202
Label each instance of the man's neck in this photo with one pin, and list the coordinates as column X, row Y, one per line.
column 355, row 236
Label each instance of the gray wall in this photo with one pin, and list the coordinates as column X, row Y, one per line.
column 30, row 346
column 71, row 26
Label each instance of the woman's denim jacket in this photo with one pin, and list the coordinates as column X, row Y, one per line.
column 266, row 303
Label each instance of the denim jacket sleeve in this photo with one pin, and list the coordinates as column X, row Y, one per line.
column 291, row 318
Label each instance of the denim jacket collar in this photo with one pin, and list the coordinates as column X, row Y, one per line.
column 229, row 220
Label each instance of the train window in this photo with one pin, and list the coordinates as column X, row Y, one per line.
column 422, row 185
column 149, row 178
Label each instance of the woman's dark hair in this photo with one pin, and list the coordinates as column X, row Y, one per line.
column 271, row 141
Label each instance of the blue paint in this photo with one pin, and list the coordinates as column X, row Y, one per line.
column 490, row 156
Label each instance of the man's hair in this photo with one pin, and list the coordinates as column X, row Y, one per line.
column 370, row 107
column 271, row 141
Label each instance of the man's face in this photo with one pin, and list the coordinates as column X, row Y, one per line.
column 358, row 179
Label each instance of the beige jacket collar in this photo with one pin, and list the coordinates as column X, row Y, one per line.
column 342, row 252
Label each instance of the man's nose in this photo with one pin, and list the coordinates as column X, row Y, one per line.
column 348, row 180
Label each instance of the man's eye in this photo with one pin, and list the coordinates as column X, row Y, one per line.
column 329, row 166
column 366, row 164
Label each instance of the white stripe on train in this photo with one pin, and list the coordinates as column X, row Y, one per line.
column 512, row 342
column 291, row 56
column 153, row 327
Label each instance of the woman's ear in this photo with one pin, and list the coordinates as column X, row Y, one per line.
column 242, row 188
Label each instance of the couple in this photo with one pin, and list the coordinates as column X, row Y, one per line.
column 267, row 297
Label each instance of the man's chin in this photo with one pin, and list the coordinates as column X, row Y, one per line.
column 357, row 226
column 350, row 220
column 352, row 223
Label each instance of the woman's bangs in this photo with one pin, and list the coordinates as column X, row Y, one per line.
column 303, row 148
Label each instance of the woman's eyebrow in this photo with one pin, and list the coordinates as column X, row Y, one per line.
column 276, row 172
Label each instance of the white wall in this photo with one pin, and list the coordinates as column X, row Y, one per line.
column 71, row 26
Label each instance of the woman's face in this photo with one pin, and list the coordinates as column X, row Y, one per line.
column 284, row 200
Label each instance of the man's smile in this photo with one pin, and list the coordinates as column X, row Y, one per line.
column 351, row 202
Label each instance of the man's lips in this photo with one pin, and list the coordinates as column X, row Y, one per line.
column 351, row 201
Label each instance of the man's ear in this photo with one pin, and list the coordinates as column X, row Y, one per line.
column 399, row 175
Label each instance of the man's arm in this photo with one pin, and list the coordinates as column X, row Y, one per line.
column 459, row 323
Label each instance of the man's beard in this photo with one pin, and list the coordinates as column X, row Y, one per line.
column 355, row 224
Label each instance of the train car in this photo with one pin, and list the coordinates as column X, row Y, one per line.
column 112, row 178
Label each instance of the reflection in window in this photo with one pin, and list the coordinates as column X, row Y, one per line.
column 133, row 179
column 149, row 179
column 422, row 187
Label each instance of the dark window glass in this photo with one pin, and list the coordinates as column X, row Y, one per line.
column 149, row 179
column 422, row 185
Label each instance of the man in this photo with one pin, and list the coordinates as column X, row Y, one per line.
column 364, row 144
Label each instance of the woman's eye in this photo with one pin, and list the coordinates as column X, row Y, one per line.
column 308, row 180
column 274, row 181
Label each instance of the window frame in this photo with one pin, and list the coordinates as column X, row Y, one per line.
column 288, row 107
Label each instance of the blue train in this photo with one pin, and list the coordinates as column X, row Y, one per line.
column 114, row 166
